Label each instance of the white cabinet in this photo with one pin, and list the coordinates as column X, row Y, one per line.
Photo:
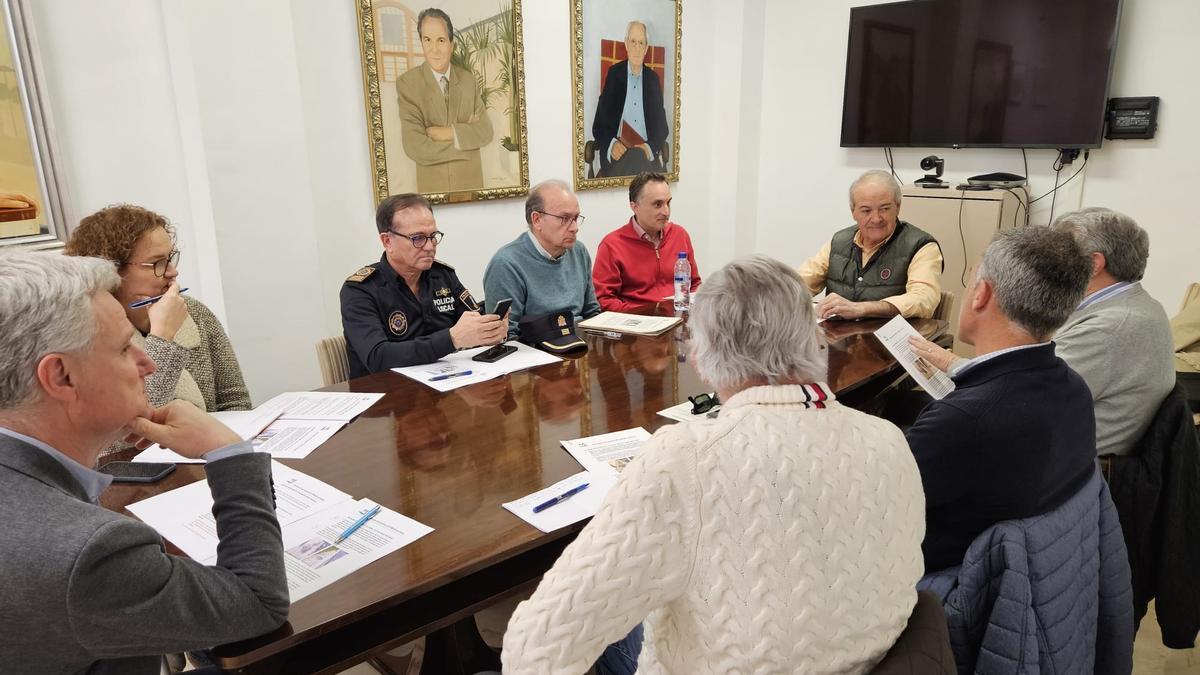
column 963, row 222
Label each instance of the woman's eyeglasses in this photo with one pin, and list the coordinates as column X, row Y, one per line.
column 160, row 266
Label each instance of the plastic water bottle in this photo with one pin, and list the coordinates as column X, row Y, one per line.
column 683, row 283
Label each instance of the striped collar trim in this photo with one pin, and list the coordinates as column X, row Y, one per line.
column 1107, row 292
column 814, row 395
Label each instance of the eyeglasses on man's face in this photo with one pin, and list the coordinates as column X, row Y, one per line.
column 419, row 240
column 567, row 220
column 160, row 266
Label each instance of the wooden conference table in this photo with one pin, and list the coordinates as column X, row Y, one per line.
column 450, row 460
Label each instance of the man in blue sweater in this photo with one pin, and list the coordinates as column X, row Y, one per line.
column 1017, row 436
column 545, row 269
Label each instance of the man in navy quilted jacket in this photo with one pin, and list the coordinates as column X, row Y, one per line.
column 1017, row 436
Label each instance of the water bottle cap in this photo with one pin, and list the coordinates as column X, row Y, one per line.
column 682, row 255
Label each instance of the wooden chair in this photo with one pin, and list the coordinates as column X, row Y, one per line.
column 331, row 355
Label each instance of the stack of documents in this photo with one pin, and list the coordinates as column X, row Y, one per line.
column 289, row 426
column 607, row 453
column 894, row 335
column 582, row 505
column 634, row 324
column 312, row 515
column 458, row 370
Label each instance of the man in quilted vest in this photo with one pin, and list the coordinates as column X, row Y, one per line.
column 879, row 267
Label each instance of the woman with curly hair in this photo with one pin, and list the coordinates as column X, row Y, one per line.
column 194, row 359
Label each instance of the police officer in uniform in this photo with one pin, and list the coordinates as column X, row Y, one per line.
column 408, row 308
column 879, row 267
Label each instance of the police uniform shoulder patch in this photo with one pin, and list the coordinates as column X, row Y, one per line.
column 468, row 301
column 449, row 267
column 361, row 274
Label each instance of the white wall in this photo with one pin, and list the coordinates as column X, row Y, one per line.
column 802, row 173
column 244, row 123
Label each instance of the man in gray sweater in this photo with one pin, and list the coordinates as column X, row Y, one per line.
column 86, row 589
column 545, row 269
column 1119, row 338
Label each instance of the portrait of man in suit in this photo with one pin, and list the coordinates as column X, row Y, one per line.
column 443, row 121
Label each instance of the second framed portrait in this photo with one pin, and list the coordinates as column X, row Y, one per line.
column 445, row 98
column 626, row 57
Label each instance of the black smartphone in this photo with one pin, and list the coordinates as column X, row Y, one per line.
column 137, row 472
column 494, row 354
column 502, row 307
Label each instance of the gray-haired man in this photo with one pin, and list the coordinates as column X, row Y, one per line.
column 1119, row 338
column 1016, row 438
column 86, row 589
column 879, row 267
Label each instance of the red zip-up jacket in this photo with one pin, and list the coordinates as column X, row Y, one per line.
column 629, row 272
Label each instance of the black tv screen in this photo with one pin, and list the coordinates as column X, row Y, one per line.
column 979, row 73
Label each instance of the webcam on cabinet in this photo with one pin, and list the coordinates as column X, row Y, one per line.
column 934, row 180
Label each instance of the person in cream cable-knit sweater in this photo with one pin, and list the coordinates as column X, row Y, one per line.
column 783, row 536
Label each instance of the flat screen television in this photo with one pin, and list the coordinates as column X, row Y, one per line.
column 979, row 73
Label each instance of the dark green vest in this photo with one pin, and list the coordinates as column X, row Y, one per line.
column 885, row 275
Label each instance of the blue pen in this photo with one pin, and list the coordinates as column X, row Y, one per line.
column 439, row 378
column 358, row 523
column 150, row 301
column 560, row 499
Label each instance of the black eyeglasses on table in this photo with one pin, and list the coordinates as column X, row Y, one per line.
column 703, row 403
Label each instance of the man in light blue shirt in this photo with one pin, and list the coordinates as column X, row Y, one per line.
column 630, row 126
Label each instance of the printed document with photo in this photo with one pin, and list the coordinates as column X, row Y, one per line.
column 607, row 453
column 314, row 558
column 894, row 335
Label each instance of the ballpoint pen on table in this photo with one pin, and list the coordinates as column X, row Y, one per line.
column 611, row 334
column 150, row 301
column 358, row 523
column 560, row 499
column 439, row 378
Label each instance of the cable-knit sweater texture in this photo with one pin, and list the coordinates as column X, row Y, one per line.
column 774, row 539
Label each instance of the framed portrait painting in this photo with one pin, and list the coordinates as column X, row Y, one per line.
column 625, row 59
column 445, row 98
column 32, row 192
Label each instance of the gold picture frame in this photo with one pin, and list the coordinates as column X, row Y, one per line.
column 487, row 45
column 34, row 201
column 598, row 42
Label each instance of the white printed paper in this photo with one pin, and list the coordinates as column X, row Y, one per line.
column 583, row 505
column 321, row 405
column 184, row 517
column 607, row 453
column 312, row 558
column 464, row 371
column 894, row 335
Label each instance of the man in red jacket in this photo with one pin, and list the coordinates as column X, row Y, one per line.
column 635, row 264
